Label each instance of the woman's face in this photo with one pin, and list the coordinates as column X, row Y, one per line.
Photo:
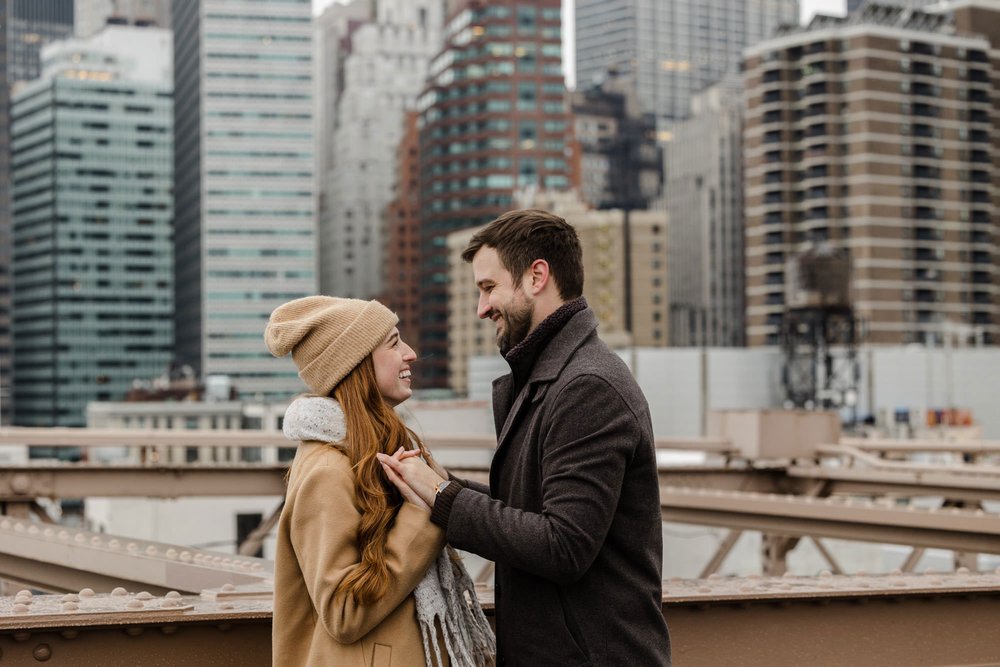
column 392, row 368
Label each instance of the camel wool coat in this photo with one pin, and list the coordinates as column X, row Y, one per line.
column 317, row 547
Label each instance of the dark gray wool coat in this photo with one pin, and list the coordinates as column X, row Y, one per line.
column 572, row 512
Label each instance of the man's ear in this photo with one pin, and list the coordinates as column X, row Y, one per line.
column 537, row 277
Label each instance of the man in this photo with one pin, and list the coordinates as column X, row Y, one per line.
column 572, row 512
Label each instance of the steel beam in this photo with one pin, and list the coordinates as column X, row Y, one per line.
column 63, row 559
column 871, row 482
column 826, row 620
column 791, row 516
column 162, row 481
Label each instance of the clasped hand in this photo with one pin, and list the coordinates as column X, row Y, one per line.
column 416, row 480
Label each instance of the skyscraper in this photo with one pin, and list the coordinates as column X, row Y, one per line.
column 92, row 176
column 245, row 222
column 892, row 159
column 671, row 48
column 381, row 66
column 494, row 119
column 25, row 26
column 704, row 163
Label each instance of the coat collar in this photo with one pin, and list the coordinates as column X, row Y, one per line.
column 550, row 361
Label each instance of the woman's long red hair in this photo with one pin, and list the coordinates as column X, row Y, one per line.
column 372, row 427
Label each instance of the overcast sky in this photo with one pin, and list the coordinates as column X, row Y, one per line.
column 809, row 7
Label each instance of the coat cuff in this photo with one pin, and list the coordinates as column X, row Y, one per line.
column 442, row 505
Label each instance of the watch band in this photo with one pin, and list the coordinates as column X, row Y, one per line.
column 440, row 486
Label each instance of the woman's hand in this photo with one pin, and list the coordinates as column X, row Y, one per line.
column 412, row 473
column 404, row 489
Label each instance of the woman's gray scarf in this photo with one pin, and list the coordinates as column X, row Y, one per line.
column 446, row 594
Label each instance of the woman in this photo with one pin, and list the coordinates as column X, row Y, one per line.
column 361, row 576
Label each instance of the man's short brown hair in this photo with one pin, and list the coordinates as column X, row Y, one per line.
column 520, row 237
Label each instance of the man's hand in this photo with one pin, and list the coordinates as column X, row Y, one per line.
column 413, row 473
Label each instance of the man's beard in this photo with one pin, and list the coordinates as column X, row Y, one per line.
column 517, row 325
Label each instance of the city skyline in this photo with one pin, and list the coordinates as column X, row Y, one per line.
column 807, row 9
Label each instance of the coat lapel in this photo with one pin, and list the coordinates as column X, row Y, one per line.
column 547, row 367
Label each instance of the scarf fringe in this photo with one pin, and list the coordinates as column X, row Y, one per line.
column 447, row 596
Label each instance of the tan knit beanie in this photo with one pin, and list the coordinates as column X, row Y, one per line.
column 327, row 336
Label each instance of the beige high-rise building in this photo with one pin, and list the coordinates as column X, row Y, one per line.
column 602, row 239
column 878, row 134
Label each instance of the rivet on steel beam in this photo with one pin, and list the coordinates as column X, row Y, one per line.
column 70, row 634
column 826, row 574
column 150, row 550
column 20, row 608
column 135, row 604
column 95, row 541
column 86, row 592
column 225, row 605
column 24, row 593
column 169, row 603
column 172, row 554
column 896, row 572
column 49, row 532
column 962, row 570
column 32, row 530
column 119, row 592
column 19, row 527
column 704, row 589
column 226, row 562
column 133, row 631
column 199, row 557
column 70, row 597
column 5, row 524
column 228, row 588
column 143, row 595
column 172, row 595
column 70, row 606
column 257, row 566
column 114, row 544
column 80, row 538
column 64, row 535
column 42, row 652
column 132, row 547
column 185, row 556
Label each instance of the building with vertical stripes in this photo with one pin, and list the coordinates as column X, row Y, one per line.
column 245, row 220
column 670, row 49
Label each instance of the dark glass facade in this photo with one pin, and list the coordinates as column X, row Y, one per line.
column 25, row 26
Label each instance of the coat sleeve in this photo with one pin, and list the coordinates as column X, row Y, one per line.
column 587, row 442
column 324, row 535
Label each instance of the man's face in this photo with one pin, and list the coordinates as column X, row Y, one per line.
column 502, row 299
